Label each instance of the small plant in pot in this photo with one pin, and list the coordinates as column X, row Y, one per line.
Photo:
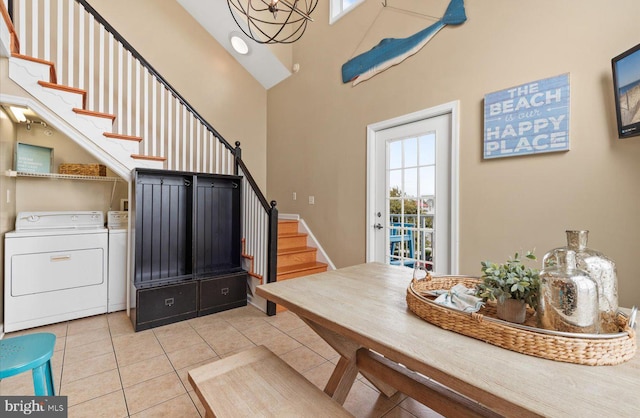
column 512, row 285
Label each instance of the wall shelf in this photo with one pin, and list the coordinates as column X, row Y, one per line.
column 11, row 173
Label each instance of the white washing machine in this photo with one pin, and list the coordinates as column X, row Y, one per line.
column 117, row 224
column 55, row 268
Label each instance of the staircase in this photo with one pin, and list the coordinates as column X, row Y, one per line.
column 89, row 83
column 38, row 77
column 295, row 258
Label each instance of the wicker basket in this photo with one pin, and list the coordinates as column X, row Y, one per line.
column 83, row 169
column 484, row 325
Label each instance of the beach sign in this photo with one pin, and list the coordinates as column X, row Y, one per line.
column 531, row 118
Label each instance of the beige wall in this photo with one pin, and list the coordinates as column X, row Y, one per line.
column 317, row 127
column 36, row 194
column 201, row 70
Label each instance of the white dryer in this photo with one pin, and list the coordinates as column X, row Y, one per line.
column 55, row 268
column 118, row 225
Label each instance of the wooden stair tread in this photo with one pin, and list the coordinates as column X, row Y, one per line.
column 296, row 250
column 61, row 87
column 301, row 267
column 148, row 157
column 94, row 113
column 124, row 137
column 292, row 235
column 52, row 71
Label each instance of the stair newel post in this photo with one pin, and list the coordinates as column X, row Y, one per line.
column 237, row 152
column 272, row 251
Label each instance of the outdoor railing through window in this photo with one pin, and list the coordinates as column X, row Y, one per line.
column 420, row 227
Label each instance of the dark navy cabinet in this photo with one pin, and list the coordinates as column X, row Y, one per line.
column 220, row 293
column 186, row 235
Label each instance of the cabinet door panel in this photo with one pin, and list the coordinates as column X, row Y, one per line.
column 163, row 224
column 218, row 225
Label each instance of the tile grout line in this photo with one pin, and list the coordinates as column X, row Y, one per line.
column 176, row 371
column 115, row 355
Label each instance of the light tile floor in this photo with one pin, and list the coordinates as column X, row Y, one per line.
column 108, row 370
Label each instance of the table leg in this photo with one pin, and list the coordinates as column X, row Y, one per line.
column 342, row 379
column 345, row 372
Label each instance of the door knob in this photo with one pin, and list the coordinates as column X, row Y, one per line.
column 378, row 226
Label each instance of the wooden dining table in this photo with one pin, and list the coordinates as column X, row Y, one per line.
column 362, row 313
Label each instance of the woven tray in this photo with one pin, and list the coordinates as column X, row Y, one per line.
column 603, row 349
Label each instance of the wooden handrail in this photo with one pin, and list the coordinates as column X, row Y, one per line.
column 15, row 42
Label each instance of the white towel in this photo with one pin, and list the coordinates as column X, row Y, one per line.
column 459, row 297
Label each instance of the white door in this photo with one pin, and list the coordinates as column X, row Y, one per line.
column 412, row 186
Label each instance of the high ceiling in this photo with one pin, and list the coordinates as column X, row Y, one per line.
column 214, row 16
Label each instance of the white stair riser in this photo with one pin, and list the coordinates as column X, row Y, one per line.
column 128, row 147
column 148, row 164
column 36, row 71
column 96, row 123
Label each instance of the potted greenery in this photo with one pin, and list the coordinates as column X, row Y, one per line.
column 512, row 284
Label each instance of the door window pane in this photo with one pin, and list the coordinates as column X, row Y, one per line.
column 427, row 181
column 395, row 155
column 395, row 180
column 427, row 151
column 411, row 182
column 410, row 152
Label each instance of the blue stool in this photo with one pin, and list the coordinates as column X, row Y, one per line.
column 29, row 352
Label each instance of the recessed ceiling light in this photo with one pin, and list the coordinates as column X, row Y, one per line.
column 239, row 45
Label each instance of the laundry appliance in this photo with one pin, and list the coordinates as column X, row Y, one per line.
column 55, row 268
column 118, row 226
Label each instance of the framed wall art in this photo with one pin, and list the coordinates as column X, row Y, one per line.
column 531, row 118
column 33, row 159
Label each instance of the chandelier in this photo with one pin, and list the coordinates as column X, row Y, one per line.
column 272, row 21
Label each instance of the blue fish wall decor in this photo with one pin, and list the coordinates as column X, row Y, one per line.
column 392, row 51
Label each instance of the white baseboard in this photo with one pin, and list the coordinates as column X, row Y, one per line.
column 289, row 216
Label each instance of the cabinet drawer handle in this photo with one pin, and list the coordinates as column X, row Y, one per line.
column 60, row 258
column 225, row 291
column 169, row 302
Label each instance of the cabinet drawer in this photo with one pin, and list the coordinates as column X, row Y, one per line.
column 222, row 293
column 165, row 304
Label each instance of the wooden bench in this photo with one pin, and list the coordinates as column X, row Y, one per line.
column 255, row 383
